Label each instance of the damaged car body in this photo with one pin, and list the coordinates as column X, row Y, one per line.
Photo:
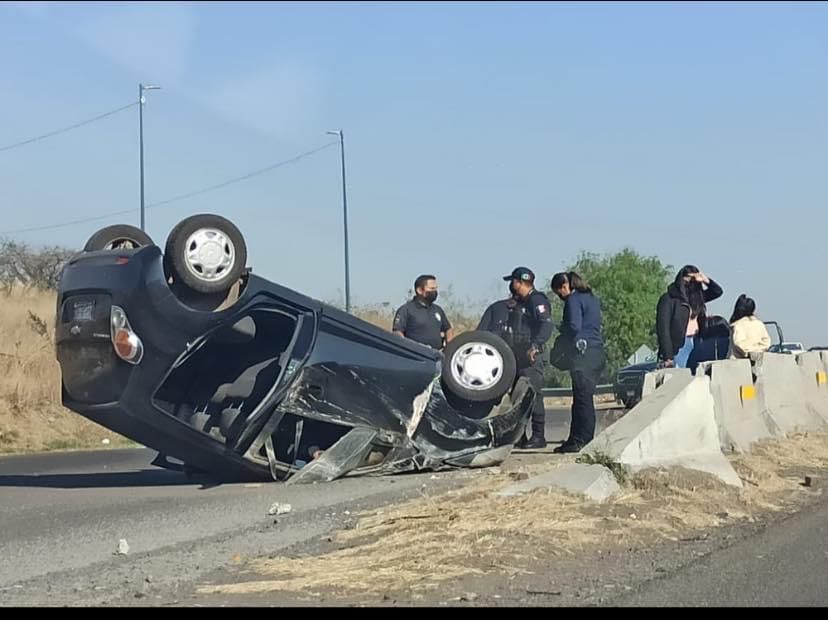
column 272, row 384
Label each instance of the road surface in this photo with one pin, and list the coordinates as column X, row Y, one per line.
column 787, row 565
column 63, row 514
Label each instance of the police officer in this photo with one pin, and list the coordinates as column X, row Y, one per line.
column 524, row 321
column 421, row 319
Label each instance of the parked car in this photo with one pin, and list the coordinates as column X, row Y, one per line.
column 794, row 348
column 222, row 371
column 629, row 382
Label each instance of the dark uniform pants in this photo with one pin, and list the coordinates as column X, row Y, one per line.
column 534, row 373
column 586, row 371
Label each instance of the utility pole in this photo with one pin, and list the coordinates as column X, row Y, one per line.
column 141, row 100
column 345, row 219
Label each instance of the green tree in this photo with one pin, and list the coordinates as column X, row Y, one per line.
column 628, row 285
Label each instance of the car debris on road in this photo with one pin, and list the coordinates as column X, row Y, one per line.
column 278, row 509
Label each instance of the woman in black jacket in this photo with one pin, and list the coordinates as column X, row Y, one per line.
column 681, row 315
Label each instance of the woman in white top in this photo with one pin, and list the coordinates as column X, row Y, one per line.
column 748, row 334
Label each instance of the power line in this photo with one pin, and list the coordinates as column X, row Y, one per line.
column 69, row 223
column 177, row 198
column 247, row 176
column 34, row 139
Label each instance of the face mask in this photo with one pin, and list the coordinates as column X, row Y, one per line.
column 430, row 297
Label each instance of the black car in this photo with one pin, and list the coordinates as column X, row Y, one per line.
column 221, row 371
column 629, row 382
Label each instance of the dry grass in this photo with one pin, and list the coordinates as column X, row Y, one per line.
column 29, row 372
column 419, row 544
column 31, row 416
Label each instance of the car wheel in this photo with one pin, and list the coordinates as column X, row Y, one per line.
column 630, row 402
column 206, row 253
column 116, row 237
column 478, row 366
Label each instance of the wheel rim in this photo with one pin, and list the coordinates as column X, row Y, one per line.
column 477, row 366
column 209, row 255
column 121, row 243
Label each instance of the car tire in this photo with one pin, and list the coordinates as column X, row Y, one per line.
column 630, row 402
column 206, row 253
column 478, row 366
column 117, row 237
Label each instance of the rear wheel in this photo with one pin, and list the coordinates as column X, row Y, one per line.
column 206, row 253
column 117, row 237
column 478, row 366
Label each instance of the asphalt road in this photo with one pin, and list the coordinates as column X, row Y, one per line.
column 63, row 514
column 786, row 566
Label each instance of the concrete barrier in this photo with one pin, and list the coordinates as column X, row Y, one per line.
column 814, row 384
column 782, row 393
column 741, row 418
column 674, row 425
column 654, row 379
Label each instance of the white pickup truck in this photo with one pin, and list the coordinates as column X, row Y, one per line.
column 794, row 348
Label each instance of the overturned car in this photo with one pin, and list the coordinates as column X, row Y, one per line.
column 221, row 371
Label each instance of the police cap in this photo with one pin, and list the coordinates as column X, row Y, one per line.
column 521, row 274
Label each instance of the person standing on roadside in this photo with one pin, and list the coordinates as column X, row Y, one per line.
column 524, row 321
column 681, row 315
column 421, row 319
column 583, row 342
column 748, row 334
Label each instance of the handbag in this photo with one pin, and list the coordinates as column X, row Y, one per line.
column 561, row 354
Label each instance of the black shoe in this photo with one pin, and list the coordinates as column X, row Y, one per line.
column 535, row 443
column 568, row 447
column 521, row 445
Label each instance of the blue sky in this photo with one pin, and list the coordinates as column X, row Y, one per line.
column 479, row 136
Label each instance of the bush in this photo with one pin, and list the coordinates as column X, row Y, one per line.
column 24, row 266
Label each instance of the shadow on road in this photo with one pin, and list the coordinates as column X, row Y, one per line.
column 141, row 478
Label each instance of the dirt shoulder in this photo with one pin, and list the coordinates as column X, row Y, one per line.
column 467, row 546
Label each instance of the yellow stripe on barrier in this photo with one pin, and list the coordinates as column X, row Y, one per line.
column 821, row 377
column 747, row 392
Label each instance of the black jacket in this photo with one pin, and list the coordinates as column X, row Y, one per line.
column 672, row 316
column 522, row 324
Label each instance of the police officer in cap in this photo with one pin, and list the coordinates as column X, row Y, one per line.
column 524, row 321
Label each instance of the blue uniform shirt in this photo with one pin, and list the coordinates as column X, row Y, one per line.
column 582, row 319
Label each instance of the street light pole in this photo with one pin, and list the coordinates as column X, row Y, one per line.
column 141, row 99
column 345, row 219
